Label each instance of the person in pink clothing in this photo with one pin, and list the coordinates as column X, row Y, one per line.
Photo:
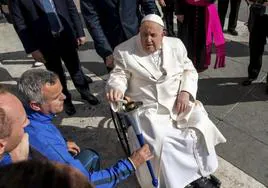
column 201, row 24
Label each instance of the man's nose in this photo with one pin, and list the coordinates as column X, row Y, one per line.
column 149, row 39
column 63, row 96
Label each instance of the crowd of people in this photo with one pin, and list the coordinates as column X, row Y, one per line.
column 146, row 62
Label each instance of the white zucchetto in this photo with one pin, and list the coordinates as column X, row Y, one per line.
column 153, row 18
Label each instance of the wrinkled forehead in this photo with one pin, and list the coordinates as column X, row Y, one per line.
column 147, row 26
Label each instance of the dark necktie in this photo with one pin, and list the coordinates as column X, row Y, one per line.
column 52, row 17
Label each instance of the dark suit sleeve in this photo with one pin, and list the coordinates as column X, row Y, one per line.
column 93, row 24
column 21, row 27
column 180, row 6
column 149, row 7
column 78, row 26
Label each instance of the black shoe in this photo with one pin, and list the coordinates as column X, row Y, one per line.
column 91, row 99
column 69, row 107
column 88, row 79
column 205, row 182
column 232, row 32
column 247, row 82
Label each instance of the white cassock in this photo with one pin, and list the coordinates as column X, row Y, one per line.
column 183, row 145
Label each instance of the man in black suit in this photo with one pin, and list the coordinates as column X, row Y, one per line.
column 258, row 28
column 51, row 30
column 168, row 9
column 111, row 22
column 223, row 7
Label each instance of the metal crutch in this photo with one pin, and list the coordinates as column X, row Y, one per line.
column 131, row 110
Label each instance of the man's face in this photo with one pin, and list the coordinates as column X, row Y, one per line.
column 151, row 36
column 17, row 119
column 53, row 98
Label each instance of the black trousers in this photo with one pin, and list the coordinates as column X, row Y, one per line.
column 168, row 12
column 64, row 48
column 223, row 7
column 257, row 41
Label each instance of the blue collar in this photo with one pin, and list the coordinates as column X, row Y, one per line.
column 34, row 115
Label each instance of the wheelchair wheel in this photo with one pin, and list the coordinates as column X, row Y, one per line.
column 121, row 129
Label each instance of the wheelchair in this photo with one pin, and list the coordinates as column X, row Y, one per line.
column 121, row 125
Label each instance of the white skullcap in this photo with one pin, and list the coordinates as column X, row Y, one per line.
column 153, row 18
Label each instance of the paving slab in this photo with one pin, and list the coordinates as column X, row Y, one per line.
column 245, row 60
column 236, row 178
column 245, row 152
column 220, row 89
column 250, row 120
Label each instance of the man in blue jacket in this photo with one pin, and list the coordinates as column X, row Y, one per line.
column 42, row 93
column 113, row 22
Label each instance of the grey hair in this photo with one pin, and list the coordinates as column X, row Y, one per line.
column 31, row 83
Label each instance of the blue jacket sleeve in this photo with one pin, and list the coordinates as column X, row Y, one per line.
column 55, row 149
column 109, row 177
column 102, row 179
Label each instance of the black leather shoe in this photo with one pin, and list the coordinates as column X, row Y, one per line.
column 232, row 32
column 247, row 82
column 69, row 107
column 88, row 79
column 91, row 99
column 205, row 182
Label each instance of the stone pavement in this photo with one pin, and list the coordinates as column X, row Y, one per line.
column 241, row 113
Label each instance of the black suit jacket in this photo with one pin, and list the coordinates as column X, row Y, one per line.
column 111, row 22
column 31, row 23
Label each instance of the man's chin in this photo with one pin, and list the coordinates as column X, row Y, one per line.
column 150, row 50
column 58, row 110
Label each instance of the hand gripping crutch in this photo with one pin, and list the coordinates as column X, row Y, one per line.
column 131, row 109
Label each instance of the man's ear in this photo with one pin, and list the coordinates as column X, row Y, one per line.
column 3, row 144
column 164, row 33
column 35, row 106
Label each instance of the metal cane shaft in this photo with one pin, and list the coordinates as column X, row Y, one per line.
column 131, row 110
column 149, row 165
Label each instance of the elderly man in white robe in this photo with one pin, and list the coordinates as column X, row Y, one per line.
column 155, row 69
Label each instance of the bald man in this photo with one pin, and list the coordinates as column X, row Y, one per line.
column 155, row 69
column 14, row 144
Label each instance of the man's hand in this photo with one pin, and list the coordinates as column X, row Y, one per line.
column 81, row 40
column 141, row 155
column 38, row 56
column 21, row 152
column 114, row 95
column 162, row 3
column 72, row 147
column 182, row 101
column 109, row 61
column 180, row 18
